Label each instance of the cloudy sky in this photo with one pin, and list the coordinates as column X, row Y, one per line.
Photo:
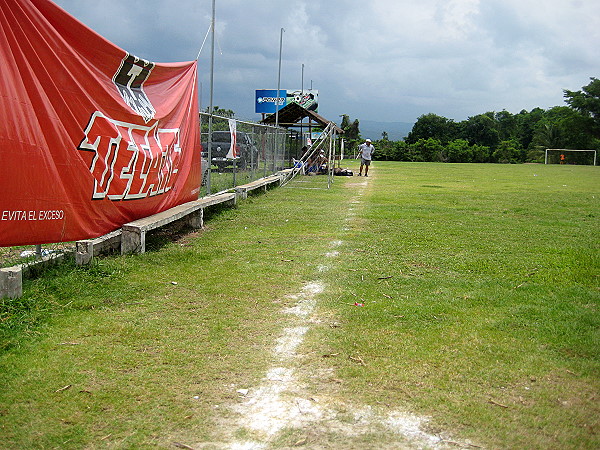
column 381, row 60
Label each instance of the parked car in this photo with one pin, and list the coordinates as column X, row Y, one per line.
column 221, row 143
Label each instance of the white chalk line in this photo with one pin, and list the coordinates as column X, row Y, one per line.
column 276, row 403
column 283, row 401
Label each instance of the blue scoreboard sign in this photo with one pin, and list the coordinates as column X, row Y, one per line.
column 266, row 100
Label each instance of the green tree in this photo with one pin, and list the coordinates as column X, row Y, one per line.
column 385, row 150
column 351, row 132
column 432, row 126
column 426, row 150
column 480, row 153
column 509, row 152
column 587, row 103
column 506, row 125
column 351, row 129
column 481, row 130
column 457, row 151
column 548, row 135
column 526, row 125
column 219, row 123
column 345, row 121
column 563, row 127
column 460, row 151
column 217, row 111
column 401, row 151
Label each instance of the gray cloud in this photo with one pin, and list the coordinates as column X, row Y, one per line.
column 385, row 60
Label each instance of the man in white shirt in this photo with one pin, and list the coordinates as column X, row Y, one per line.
column 365, row 152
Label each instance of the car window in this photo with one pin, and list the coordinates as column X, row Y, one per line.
column 225, row 136
column 220, row 136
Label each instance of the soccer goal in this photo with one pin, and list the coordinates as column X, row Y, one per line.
column 570, row 156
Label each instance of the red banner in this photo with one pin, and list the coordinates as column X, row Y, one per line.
column 91, row 137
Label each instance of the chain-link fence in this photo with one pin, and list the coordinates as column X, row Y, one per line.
column 259, row 150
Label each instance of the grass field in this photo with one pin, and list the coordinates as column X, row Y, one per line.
column 429, row 305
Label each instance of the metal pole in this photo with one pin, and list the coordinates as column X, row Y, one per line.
column 200, row 101
column 210, row 108
column 278, row 78
column 277, row 102
column 331, row 162
column 302, row 120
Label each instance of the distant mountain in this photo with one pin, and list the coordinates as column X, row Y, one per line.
column 395, row 130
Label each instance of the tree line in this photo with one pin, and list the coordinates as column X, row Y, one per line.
column 497, row 137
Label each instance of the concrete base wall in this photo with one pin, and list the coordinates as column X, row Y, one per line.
column 11, row 282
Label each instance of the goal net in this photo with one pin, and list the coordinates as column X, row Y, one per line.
column 570, row 156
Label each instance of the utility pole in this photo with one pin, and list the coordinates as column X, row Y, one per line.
column 278, row 78
column 277, row 102
column 210, row 108
column 302, row 96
